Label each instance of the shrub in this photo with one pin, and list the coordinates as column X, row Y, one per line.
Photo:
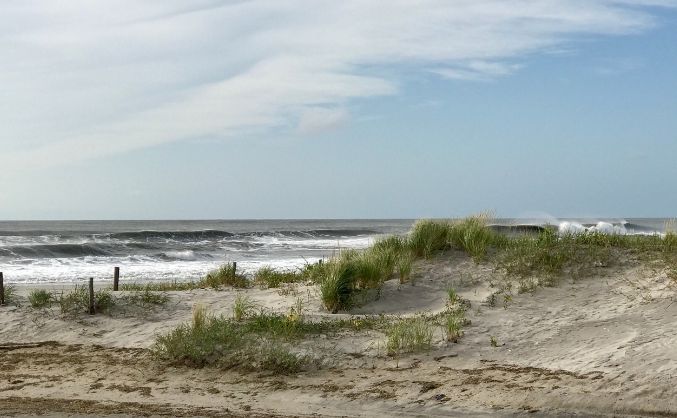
column 40, row 298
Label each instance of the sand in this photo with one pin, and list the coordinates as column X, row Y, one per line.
column 599, row 346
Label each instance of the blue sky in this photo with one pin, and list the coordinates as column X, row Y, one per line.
column 254, row 109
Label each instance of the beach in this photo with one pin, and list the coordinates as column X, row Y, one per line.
column 599, row 345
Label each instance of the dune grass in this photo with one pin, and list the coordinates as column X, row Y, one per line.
column 409, row 335
column 267, row 277
column 243, row 307
column 169, row 286
column 40, row 298
column 10, row 294
column 225, row 275
column 76, row 301
column 146, row 298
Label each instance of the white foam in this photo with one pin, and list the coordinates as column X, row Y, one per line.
column 573, row 228
column 182, row 255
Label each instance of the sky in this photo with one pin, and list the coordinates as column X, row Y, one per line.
column 243, row 109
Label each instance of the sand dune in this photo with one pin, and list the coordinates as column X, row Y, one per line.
column 603, row 345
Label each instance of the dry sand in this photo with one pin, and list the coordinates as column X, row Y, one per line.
column 600, row 346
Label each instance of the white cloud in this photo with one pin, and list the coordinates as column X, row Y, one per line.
column 321, row 119
column 85, row 79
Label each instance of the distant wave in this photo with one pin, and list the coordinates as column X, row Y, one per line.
column 57, row 250
column 177, row 235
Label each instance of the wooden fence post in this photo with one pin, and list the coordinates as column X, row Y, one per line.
column 2, row 290
column 91, row 296
column 234, row 266
column 116, row 278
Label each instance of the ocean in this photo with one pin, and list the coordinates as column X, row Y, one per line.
column 72, row 251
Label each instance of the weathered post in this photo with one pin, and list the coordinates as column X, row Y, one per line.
column 116, row 278
column 91, row 296
column 2, row 290
column 234, row 267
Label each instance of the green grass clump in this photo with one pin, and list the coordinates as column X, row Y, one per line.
column 40, row 298
column 337, row 287
column 225, row 275
column 452, row 325
column 217, row 341
column 159, row 286
column 10, row 294
column 473, row 235
column 243, row 307
column 404, row 267
column 428, row 236
column 267, row 277
column 146, row 298
column 76, row 301
column 409, row 335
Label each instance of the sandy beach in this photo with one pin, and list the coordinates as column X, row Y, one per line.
column 598, row 346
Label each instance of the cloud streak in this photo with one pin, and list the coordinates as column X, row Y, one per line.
column 83, row 80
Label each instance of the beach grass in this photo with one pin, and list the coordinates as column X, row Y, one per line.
column 168, row 286
column 76, row 301
column 40, row 298
column 268, row 277
column 226, row 275
column 146, row 298
column 243, row 307
column 409, row 335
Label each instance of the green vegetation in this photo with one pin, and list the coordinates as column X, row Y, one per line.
column 159, row 286
column 256, row 341
column 10, row 294
column 409, row 335
column 146, row 298
column 40, row 298
column 452, row 325
column 452, row 296
column 225, row 275
column 76, row 301
column 493, row 341
column 267, row 277
column 404, row 267
column 243, row 307
column 252, row 343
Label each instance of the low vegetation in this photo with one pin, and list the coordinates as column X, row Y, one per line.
column 267, row 277
column 10, row 294
column 250, row 342
column 40, row 298
column 174, row 285
column 225, row 275
column 409, row 335
column 76, row 301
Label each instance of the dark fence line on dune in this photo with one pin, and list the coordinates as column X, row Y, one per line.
column 92, row 305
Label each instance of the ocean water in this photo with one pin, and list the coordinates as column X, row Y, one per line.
column 72, row 251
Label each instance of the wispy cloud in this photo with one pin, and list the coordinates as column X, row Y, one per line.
column 87, row 79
